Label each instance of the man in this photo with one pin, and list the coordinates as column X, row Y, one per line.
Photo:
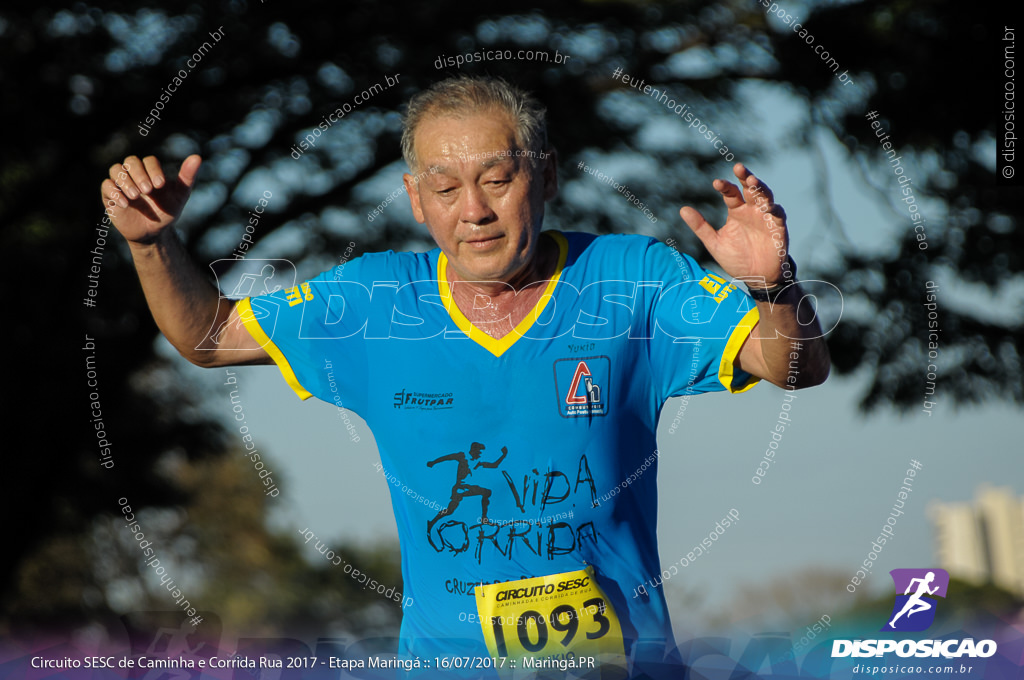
column 557, row 349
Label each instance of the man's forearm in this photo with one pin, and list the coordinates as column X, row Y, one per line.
column 183, row 302
column 792, row 344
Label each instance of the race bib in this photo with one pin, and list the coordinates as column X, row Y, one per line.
column 560, row 621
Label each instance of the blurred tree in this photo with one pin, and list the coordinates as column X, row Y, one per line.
column 219, row 552
column 785, row 603
column 78, row 81
column 909, row 54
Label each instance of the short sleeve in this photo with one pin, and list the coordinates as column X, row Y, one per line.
column 314, row 333
column 699, row 323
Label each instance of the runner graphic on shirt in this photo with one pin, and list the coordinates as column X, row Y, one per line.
column 460, row 489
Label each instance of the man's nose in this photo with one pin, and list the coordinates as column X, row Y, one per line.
column 476, row 208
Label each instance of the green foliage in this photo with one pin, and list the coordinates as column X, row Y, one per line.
column 911, row 56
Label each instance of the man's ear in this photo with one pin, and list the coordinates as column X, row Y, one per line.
column 550, row 161
column 412, row 188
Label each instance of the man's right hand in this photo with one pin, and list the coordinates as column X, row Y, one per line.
column 141, row 201
column 188, row 309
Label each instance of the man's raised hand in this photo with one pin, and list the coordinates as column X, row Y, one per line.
column 754, row 242
column 141, row 201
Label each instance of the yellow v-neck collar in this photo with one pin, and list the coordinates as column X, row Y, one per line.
column 498, row 346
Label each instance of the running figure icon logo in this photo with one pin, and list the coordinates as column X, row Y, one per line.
column 914, row 610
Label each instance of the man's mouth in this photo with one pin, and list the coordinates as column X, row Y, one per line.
column 481, row 241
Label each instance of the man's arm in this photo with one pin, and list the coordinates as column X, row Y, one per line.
column 143, row 205
column 786, row 347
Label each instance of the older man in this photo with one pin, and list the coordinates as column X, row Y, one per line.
column 512, row 376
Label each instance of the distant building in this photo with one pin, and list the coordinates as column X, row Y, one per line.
column 982, row 541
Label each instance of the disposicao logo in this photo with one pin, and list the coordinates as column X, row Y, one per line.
column 914, row 611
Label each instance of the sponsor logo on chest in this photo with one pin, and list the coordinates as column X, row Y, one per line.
column 582, row 386
column 423, row 401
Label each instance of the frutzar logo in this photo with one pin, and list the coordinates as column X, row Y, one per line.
column 582, row 386
column 424, row 401
column 915, row 611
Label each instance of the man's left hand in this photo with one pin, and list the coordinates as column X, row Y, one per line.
column 753, row 243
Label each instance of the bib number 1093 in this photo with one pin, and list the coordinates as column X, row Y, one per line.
column 534, row 629
column 565, row 615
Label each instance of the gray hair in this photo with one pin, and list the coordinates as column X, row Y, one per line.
column 462, row 96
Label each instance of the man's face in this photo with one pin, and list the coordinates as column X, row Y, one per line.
column 482, row 204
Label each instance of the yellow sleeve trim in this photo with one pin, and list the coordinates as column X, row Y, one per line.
column 726, row 371
column 248, row 319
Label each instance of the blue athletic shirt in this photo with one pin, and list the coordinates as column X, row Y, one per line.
column 516, row 457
